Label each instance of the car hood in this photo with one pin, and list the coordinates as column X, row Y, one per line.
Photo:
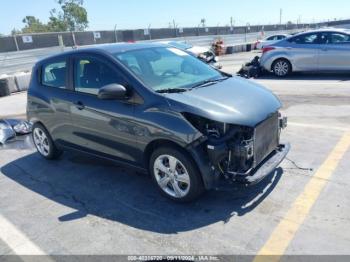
column 233, row 101
column 197, row 50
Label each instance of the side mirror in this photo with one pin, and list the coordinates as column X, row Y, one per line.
column 112, row 91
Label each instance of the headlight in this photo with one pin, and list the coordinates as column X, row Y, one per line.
column 23, row 128
column 3, row 126
column 205, row 126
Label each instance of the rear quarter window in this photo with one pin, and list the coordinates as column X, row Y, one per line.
column 54, row 74
column 311, row 38
column 338, row 38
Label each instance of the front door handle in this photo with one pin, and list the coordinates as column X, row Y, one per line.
column 79, row 105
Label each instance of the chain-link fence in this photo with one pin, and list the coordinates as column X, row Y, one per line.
column 44, row 40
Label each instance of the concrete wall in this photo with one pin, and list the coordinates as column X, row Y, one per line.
column 8, row 44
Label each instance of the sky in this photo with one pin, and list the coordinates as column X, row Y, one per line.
column 131, row 14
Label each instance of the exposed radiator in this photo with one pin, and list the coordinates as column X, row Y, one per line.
column 266, row 138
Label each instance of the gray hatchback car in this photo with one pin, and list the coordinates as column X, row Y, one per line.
column 319, row 50
column 158, row 109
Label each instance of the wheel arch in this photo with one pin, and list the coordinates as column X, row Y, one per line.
column 282, row 58
column 55, row 152
column 195, row 153
column 37, row 122
column 157, row 143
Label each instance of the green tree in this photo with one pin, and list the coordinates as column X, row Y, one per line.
column 33, row 25
column 56, row 22
column 72, row 17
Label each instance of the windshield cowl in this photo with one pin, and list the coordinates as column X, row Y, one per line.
column 172, row 90
column 209, row 82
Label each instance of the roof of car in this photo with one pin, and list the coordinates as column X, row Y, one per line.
column 269, row 36
column 106, row 48
column 124, row 47
column 328, row 29
column 277, row 35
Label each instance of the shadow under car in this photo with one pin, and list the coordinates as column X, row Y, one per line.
column 99, row 187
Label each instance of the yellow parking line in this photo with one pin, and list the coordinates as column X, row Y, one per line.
column 285, row 231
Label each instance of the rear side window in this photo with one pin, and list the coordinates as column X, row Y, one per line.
column 276, row 37
column 338, row 38
column 54, row 74
column 305, row 39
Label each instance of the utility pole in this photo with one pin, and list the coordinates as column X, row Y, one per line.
column 281, row 12
column 115, row 33
column 149, row 32
column 232, row 24
column 247, row 28
column 15, row 40
column 175, row 27
column 174, row 24
column 299, row 21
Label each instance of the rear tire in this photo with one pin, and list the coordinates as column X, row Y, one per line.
column 175, row 174
column 44, row 143
column 281, row 67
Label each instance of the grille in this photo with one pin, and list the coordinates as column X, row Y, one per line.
column 266, row 138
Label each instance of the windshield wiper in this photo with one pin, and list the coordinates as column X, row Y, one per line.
column 209, row 82
column 172, row 90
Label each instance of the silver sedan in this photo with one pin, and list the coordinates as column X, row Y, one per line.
column 320, row 50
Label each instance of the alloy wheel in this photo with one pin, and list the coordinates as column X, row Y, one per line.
column 281, row 68
column 41, row 141
column 172, row 176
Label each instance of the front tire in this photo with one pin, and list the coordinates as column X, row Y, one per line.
column 281, row 68
column 175, row 174
column 44, row 143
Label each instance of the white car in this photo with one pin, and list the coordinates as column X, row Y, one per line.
column 203, row 53
column 322, row 50
column 270, row 40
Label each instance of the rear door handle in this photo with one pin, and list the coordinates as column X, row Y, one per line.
column 79, row 105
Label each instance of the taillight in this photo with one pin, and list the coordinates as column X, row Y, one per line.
column 267, row 49
column 256, row 44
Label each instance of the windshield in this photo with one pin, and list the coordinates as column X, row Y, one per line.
column 163, row 68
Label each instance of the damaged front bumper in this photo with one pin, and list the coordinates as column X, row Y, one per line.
column 264, row 169
column 213, row 178
column 10, row 128
column 248, row 160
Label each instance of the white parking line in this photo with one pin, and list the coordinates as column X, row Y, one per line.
column 338, row 128
column 16, row 240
